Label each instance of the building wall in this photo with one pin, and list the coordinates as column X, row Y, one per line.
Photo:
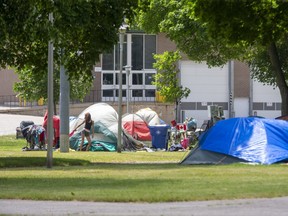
column 241, row 80
column 209, row 86
column 241, row 89
column 266, row 100
column 164, row 44
column 7, row 79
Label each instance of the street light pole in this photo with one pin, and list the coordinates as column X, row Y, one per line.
column 122, row 31
column 127, row 69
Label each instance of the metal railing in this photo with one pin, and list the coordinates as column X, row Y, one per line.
column 95, row 96
column 14, row 101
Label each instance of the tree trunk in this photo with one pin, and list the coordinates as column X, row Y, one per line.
column 280, row 78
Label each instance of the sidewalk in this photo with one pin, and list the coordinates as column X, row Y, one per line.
column 241, row 207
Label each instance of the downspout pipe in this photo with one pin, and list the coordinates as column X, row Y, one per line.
column 230, row 89
column 251, row 94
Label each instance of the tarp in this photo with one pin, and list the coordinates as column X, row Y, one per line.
column 256, row 140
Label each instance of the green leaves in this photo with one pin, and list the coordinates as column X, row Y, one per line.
column 84, row 29
column 166, row 79
column 217, row 31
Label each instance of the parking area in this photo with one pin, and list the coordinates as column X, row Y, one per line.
column 9, row 122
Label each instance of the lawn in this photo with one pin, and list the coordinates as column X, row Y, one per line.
column 129, row 177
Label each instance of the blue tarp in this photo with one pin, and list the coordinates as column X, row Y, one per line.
column 256, row 140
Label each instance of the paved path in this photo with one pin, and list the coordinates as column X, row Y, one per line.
column 8, row 122
column 244, row 207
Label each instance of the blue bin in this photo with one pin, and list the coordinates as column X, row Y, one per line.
column 159, row 136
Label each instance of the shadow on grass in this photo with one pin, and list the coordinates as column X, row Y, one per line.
column 20, row 162
column 13, row 162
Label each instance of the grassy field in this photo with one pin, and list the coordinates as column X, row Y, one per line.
column 129, row 177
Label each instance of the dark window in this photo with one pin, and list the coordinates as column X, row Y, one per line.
column 150, row 49
column 108, row 61
column 150, row 93
column 137, row 93
column 137, row 79
column 107, row 78
column 149, row 78
column 107, row 93
column 142, row 53
column 137, row 52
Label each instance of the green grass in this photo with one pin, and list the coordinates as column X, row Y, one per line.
column 129, row 177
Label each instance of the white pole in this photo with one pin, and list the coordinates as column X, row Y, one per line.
column 64, row 109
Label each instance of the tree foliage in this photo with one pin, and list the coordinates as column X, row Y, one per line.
column 83, row 29
column 177, row 19
column 166, row 79
column 255, row 32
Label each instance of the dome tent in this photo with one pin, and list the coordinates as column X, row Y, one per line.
column 105, row 128
column 149, row 116
column 136, row 134
column 136, row 128
column 253, row 140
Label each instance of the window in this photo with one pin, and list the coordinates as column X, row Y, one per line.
column 137, row 79
column 143, row 48
column 137, row 52
column 123, row 78
column 149, row 78
column 137, row 93
column 150, row 49
column 107, row 93
column 150, row 93
column 108, row 61
column 123, row 93
column 108, row 78
column 139, row 48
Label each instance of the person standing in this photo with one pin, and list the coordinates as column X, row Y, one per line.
column 88, row 128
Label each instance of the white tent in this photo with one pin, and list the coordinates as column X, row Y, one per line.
column 105, row 120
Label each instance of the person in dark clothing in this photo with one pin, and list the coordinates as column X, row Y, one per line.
column 88, row 129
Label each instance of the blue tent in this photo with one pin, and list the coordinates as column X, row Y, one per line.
column 256, row 140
